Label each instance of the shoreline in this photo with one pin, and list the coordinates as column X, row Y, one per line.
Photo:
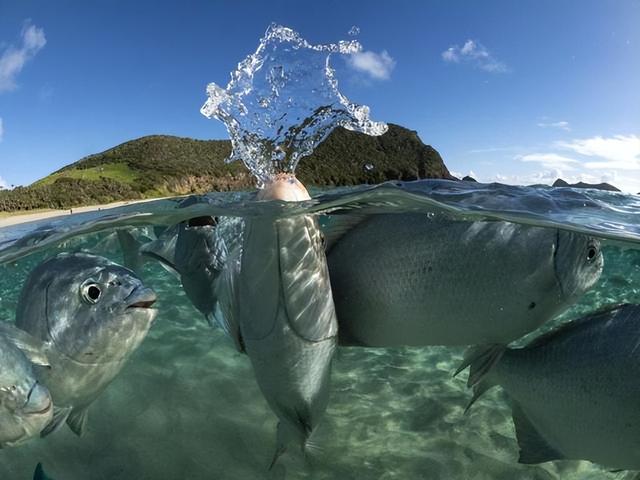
column 17, row 218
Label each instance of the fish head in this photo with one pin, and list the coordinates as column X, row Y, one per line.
column 25, row 405
column 284, row 187
column 578, row 263
column 94, row 311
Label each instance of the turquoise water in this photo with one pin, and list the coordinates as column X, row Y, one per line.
column 186, row 405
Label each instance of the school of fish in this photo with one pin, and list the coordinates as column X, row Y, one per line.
column 289, row 291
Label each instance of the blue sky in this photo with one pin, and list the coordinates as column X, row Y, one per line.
column 518, row 92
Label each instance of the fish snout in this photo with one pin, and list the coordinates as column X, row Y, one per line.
column 141, row 297
column 284, row 187
column 38, row 400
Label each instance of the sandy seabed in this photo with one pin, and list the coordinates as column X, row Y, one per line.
column 186, row 406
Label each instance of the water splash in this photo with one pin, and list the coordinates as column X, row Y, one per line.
column 283, row 100
column 354, row 31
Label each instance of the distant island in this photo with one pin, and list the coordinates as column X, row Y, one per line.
column 160, row 165
column 598, row 186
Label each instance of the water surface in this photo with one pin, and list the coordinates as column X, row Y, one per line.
column 187, row 406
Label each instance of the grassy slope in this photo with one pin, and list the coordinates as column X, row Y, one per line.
column 119, row 172
column 160, row 165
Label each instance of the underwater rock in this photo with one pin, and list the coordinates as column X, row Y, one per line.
column 93, row 314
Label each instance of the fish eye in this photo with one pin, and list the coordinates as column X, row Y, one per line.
column 592, row 251
column 91, row 293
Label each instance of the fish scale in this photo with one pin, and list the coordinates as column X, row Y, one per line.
column 418, row 279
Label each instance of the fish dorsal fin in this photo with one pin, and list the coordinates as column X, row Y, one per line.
column 39, row 473
column 60, row 416
column 77, row 420
column 533, row 447
column 33, row 348
column 164, row 250
column 598, row 315
column 130, row 248
column 338, row 224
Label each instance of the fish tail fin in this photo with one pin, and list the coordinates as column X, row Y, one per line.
column 481, row 360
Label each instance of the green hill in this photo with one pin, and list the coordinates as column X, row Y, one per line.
column 162, row 165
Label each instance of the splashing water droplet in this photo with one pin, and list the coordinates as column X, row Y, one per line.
column 354, row 31
column 283, row 100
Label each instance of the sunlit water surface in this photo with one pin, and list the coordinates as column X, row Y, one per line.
column 187, row 406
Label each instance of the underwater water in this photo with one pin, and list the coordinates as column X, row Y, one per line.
column 186, row 405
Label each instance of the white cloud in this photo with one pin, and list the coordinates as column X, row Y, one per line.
column 562, row 125
column 550, row 160
column 1, row 129
column 476, row 54
column 620, row 152
column 377, row 65
column 3, row 183
column 13, row 59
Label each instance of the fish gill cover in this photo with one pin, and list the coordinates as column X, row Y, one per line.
column 283, row 100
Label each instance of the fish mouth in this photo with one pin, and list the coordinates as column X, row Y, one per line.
column 38, row 395
column 141, row 297
column 44, row 411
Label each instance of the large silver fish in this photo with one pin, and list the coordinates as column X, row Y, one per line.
column 419, row 279
column 281, row 314
column 93, row 314
column 25, row 404
column 574, row 390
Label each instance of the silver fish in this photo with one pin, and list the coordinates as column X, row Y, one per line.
column 93, row 313
column 419, row 279
column 281, row 314
column 574, row 390
column 25, row 404
column 196, row 254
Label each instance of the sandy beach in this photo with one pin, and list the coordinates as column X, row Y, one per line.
column 13, row 218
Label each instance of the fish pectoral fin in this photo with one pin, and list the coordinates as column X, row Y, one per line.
column 533, row 447
column 33, row 348
column 77, row 420
column 211, row 319
column 60, row 416
column 481, row 360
